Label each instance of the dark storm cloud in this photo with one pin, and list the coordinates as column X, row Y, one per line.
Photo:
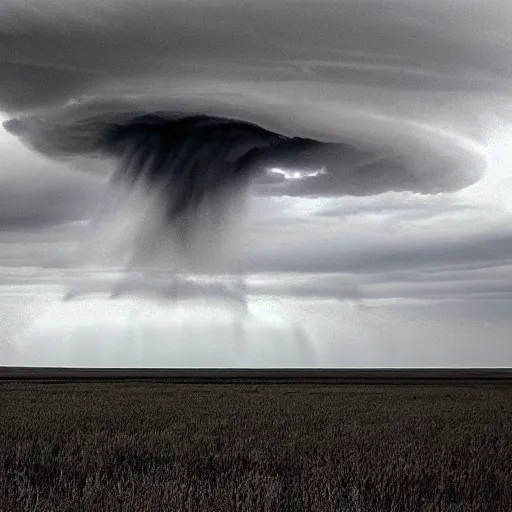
column 196, row 99
column 441, row 162
column 129, row 49
column 189, row 160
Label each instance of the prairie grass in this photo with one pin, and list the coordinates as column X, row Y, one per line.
column 255, row 446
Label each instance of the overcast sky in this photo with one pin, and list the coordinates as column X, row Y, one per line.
column 395, row 252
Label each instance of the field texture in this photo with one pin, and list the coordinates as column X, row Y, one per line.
column 255, row 446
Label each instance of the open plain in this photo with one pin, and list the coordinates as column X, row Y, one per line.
column 255, row 444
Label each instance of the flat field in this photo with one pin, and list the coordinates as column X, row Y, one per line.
column 255, row 445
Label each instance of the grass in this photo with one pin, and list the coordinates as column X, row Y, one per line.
column 158, row 445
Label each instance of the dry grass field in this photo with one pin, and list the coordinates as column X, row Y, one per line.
column 148, row 445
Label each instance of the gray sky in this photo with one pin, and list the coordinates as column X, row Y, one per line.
column 396, row 252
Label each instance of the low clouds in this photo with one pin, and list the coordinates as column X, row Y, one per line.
column 385, row 233
column 280, row 330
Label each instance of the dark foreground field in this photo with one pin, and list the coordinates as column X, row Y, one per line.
column 147, row 445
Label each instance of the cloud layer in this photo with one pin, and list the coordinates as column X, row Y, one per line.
column 294, row 76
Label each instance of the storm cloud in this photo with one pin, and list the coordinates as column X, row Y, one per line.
column 351, row 158
column 133, row 80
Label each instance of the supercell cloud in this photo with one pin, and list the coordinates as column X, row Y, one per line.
column 362, row 130
column 195, row 101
